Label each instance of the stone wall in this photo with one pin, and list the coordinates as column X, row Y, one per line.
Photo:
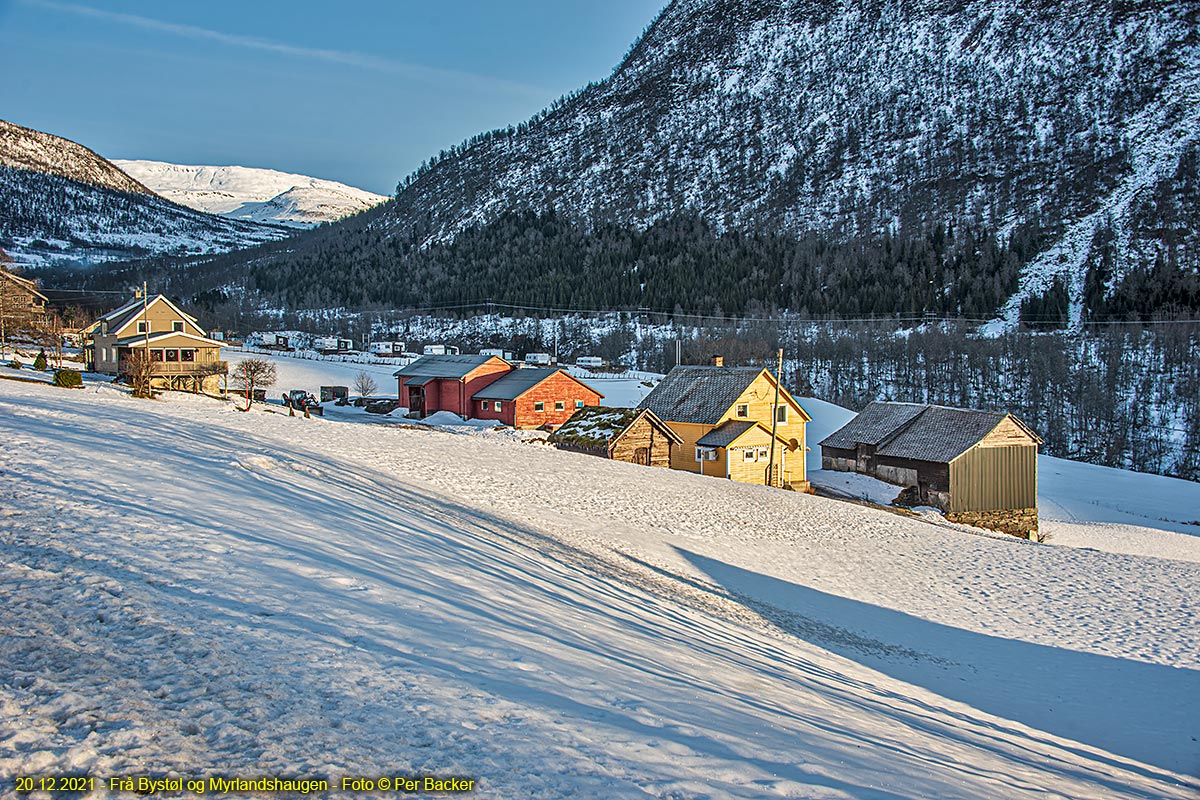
column 1022, row 522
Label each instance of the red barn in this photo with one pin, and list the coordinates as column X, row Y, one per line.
column 531, row 398
column 446, row 383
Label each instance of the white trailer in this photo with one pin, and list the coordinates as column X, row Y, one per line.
column 332, row 344
column 441, row 350
column 387, row 349
column 538, row 359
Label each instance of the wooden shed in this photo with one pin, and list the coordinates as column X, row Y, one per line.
column 978, row 467
column 622, row 434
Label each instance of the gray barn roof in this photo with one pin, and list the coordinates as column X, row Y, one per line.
column 873, row 425
column 441, row 366
column 918, row 432
column 698, row 394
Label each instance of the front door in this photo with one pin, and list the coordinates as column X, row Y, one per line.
column 416, row 400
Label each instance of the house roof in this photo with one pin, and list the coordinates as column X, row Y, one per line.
column 698, row 394
column 442, row 366
column 519, row 381
column 139, row 340
column 728, row 433
column 920, row 432
column 598, row 426
column 24, row 283
column 122, row 316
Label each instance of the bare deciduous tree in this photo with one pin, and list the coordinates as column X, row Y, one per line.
column 251, row 374
column 138, row 369
column 364, row 384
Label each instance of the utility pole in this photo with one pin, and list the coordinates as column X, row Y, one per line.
column 775, row 421
column 146, row 330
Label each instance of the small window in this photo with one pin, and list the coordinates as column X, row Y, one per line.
column 743, row 410
column 763, row 454
column 483, row 405
column 177, row 326
column 579, row 404
column 172, row 355
column 699, row 453
column 497, row 406
column 781, row 414
column 539, row 406
column 156, row 355
column 748, row 455
column 141, row 327
column 187, row 355
column 560, row 405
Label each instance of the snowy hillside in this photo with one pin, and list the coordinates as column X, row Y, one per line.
column 62, row 204
column 259, row 195
column 27, row 149
column 1073, row 125
column 195, row 590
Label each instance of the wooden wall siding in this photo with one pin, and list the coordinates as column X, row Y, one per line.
column 642, row 434
column 558, row 386
column 760, row 397
column 683, row 457
column 755, row 472
column 160, row 316
column 994, row 478
column 1006, row 434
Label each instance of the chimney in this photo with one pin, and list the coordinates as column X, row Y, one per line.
column 716, row 361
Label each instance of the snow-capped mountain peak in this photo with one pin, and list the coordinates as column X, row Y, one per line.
column 252, row 193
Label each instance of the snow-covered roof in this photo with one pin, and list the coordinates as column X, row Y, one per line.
column 598, row 426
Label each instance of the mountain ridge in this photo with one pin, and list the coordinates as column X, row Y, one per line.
column 252, row 193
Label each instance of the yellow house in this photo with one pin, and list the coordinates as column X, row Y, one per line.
column 181, row 354
column 724, row 415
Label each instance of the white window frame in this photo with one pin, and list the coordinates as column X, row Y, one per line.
column 579, row 404
column 143, row 326
column 177, row 326
column 742, row 411
column 483, row 405
column 560, row 405
column 749, row 455
column 699, row 453
column 781, row 407
column 498, row 406
column 539, row 406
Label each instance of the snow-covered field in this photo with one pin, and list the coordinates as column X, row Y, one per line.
column 195, row 590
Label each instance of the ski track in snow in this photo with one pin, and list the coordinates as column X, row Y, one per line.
column 198, row 590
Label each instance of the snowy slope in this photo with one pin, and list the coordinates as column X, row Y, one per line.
column 252, row 593
column 25, row 148
column 259, row 195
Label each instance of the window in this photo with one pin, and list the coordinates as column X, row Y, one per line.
column 172, row 355
column 743, row 410
column 781, row 414
column 699, row 453
column 156, row 355
column 748, row 454
column 177, row 326
column 579, row 404
column 539, row 406
column 560, row 405
column 142, row 327
column 498, row 406
column 763, row 453
column 483, row 405
column 187, row 355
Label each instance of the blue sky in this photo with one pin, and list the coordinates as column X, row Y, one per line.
column 356, row 92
